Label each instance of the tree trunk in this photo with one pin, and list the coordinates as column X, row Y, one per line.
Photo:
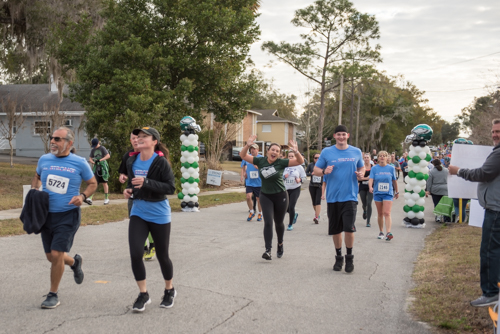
column 357, row 121
column 341, row 94
column 11, row 154
column 351, row 123
column 321, row 117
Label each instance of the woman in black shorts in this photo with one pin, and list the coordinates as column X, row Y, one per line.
column 273, row 195
column 315, row 188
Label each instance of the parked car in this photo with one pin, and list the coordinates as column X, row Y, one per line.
column 236, row 153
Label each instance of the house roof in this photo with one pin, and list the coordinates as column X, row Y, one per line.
column 38, row 98
column 271, row 115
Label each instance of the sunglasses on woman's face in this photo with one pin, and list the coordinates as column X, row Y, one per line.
column 57, row 139
column 316, row 158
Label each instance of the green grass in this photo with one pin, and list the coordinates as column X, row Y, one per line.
column 447, row 277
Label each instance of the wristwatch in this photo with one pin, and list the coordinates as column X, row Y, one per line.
column 324, row 171
column 84, row 197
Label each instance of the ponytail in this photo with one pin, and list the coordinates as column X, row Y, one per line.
column 162, row 148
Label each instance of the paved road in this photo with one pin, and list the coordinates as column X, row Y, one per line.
column 223, row 284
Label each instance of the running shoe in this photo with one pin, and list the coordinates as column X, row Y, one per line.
column 168, row 298
column 389, row 236
column 51, row 301
column 368, row 225
column 77, row 269
column 339, row 262
column 259, row 217
column 88, row 201
column 150, row 255
column 267, row 255
column 295, row 218
column 315, row 220
column 250, row 216
column 106, row 201
column 290, row 228
column 279, row 253
column 484, row 301
column 364, row 214
column 349, row 263
column 146, row 251
column 141, row 302
column 381, row 235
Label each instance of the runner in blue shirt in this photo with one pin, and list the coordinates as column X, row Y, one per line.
column 384, row 187
column 250, row 173
column 342, row 165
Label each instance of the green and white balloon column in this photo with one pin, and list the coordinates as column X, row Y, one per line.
column 419, row 157
column 190, row 169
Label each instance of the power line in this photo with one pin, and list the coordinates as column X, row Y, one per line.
column 460, row 62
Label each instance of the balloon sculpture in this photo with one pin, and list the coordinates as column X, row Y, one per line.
column 418, row 160
column 190, row 168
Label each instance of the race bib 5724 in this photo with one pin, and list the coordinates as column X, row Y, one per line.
column 57, row 184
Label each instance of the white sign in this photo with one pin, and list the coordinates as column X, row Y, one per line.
column 466, row 156
column 476, row 214
column 214, row 177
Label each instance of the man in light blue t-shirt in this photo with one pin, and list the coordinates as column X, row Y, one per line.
column 342, row 165
column 60, row 174
column 253, row 183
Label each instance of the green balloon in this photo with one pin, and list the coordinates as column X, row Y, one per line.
column 196, row 148
column 191, row 179
column 428, row 157
column 183, row 180
column 190, row 148
column 426, row 176
column 180, row 195
column 416, row 159
column 194, row 165
column 411, row 174
column 415, row 208
column 421, row 193
column 183, row 148
column 422, row 208
column 197, row 180
column 420, row 176
column 409, row 191
column 186, row 165
column 406, row 208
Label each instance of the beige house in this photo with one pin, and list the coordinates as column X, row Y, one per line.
column 273, row 129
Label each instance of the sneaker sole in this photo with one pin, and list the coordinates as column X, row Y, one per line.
column 83, row 275
column 165, row 306
column 267, row 256
column 486, row 304
column 51, row 307
column 143, row 308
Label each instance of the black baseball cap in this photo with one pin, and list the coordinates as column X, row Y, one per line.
column 147, row 130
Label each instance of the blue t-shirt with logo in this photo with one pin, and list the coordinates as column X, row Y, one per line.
column 61, row 178
column 382, row 179
column 341, row 183
column 253, row 178
column 154, row 212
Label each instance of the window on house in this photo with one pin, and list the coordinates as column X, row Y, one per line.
column 266, row 127
column 42, row 127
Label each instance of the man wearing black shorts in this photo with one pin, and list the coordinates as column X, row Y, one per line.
column 341, row 165
column 253, row 183
column 98, row 157
column 61, row 174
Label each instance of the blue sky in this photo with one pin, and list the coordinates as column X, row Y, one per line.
column 423, row 40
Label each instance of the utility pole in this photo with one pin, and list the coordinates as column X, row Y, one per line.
column 341, row 94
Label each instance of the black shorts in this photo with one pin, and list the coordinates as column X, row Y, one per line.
column 60, row 229
column 315, row 195
column 341, row 217
column 253, row 190
column 100, row 179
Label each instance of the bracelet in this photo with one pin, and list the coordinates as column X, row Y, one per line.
column 397, row 193
column 84, row 197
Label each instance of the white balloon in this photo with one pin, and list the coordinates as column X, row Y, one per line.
column 191, row 136
column 423, row 163
column 411, row 154
column 417, row 189
column 422, row 184
column 407, row 195
column 190, row 159
column 196, row 137
column 425, row 170
column 411, row 214
column 419, row 215
column 197, row 158
column 185, row 175
column 183, row 159
column 416, row 169
column 195, row 175
column 427, row 149
column 185, row 154
column 183, row 169
column 415, row 197
column 410, row 202
column 192, row 190
column 186, row 142
column 418, row 149
column 422, row 155
column 413, row 181
column 197, row 190
column 186, row 198
column 420, row 201
column 408, row 187
column 194, row 198
column 193, row 142
column 183, row 137
column 411, row 163
column 191, row 170
column 185, row 191
column 407, row 179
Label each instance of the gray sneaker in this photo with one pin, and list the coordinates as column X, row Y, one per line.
column 52, row 301
column 484, row 301
column 77, row 269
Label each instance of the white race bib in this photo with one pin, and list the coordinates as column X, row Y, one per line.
column 383, row 187
column 364, row 182
column 316, row 179
column 254, row 174
column 57, row 184
column 406, row 169
column 290, row 181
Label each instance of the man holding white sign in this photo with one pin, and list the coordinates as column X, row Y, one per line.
column 61, row 174
column 488, row 194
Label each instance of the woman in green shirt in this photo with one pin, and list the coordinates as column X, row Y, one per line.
column 273, row 195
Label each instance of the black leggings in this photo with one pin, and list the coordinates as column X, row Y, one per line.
column 315, row 195
column 138, row 230
column 366, row 198
column 293, row 196
column 273, row 207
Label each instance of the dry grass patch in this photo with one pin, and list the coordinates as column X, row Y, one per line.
column 447, row 277
column 11, row 184
column 233, row 166
column 97, row 215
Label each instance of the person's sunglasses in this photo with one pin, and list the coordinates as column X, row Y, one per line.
column 316, row 158
column 57, row 139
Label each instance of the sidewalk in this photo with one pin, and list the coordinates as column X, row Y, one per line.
column 223, row 285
